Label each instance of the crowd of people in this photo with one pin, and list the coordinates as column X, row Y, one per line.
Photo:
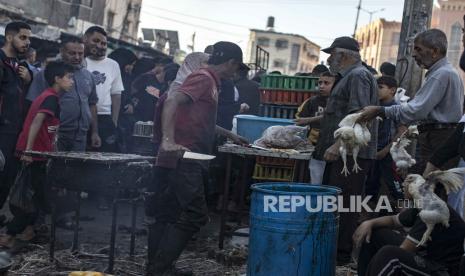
column 375, row 241
column 83, row 100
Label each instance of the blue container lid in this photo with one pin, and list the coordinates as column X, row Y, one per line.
column 264, row 119
column 294, row 188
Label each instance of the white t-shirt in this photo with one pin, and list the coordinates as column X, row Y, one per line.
column 108, row 82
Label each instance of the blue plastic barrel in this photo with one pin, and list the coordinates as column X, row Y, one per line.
column 294, row 243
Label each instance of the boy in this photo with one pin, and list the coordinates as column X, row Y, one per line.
column 310, row 113
column 38, row 134
column 388, row 132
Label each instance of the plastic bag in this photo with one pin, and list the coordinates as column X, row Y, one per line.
column 21, row 193
column 283, row 137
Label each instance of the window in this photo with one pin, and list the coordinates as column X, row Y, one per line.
column 263, row 41
column 295, row 52
column 110, row 19
column 282, row 44
column 86, row 3
column 454, row 44
column 278, row 63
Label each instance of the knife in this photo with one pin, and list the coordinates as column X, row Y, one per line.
column 197, row 156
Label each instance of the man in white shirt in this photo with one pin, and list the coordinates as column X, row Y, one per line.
column 109, row 85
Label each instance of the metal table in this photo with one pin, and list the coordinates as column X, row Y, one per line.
column 97, row 172
column 231, row 149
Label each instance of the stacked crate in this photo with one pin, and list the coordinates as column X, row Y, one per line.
column 281, row 97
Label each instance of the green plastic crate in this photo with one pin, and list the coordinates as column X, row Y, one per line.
column 289, row 83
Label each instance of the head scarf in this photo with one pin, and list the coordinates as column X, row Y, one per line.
column 191, row 63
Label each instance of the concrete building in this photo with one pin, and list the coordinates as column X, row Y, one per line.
column 289, row 53
column 448, row 17
column 379, row 42
column 75, row 16
column 122, row 19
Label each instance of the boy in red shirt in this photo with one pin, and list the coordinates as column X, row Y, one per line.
column 38, row 134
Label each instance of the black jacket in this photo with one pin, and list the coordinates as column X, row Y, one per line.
column 454, row 146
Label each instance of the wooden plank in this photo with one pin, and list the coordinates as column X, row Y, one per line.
column 240, row 150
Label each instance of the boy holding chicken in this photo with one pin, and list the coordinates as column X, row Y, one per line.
column 388, row 131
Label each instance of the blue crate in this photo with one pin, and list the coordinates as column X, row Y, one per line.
column 252, row 127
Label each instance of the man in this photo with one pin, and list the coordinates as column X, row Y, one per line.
column 31, row 56
column 384, row 251
column 437, row 105
column 109, row 85
column 354, row 89
column 249, row 93
column 78, row 107
column 180, row 200
column 15, row 79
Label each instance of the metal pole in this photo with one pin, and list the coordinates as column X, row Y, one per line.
column 358, row 14
column 416, row 19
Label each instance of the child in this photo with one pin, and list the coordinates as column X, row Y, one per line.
column 388, row 131
column 38, row 134
column 310, row 113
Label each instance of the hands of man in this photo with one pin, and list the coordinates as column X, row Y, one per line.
column 332, row 153
column 96, row 142
column 24, row 74
column 368, row 113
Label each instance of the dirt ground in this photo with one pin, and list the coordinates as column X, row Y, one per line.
column 202, row 254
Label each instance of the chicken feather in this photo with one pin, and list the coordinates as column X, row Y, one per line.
column 352, row 136
column 433, row 209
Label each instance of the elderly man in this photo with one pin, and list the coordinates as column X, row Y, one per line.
column 437, row 105
column 354, row 89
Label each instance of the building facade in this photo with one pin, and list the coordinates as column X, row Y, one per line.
column 289, row 53
column 119, row 17
column 448, row 17
column 379, row 42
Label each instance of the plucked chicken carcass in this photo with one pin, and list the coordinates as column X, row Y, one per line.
column 352, row 137
column 398, row 152
column 283, row 137
column 433, row 209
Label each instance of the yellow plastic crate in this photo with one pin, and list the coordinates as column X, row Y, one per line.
column 273, row 173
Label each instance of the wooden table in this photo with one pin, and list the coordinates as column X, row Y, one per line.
column 231, row 149
column 96, row 172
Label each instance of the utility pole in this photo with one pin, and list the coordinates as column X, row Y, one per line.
column 416, row 19
column 372, row 12
column 358, row 14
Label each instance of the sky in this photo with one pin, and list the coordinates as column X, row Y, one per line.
column 214, row 20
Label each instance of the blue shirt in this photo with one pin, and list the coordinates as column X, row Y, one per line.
column 386, row 129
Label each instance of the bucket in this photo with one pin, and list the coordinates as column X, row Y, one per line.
column 295, row 243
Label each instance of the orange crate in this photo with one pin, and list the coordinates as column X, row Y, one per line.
column 272, row 161
column 272, row 173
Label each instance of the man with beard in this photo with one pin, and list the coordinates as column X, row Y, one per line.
column 188, row 123
column 14, row 79
column 78, row 112
column 109, row 84
column 78, row 107
column 355, row 88
column 438, row 104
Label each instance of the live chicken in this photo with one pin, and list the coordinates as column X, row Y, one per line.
column 401, row 157
column 352, row 136
column 433, row 209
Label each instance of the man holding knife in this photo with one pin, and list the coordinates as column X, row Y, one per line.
column 188, row 124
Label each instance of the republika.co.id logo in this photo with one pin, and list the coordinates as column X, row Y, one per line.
column 329, row 203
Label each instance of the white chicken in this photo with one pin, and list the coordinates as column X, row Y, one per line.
column 433, row 209
column 352, row 136
column 398, row 152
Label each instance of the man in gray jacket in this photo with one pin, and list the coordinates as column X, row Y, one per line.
column 78, row 106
